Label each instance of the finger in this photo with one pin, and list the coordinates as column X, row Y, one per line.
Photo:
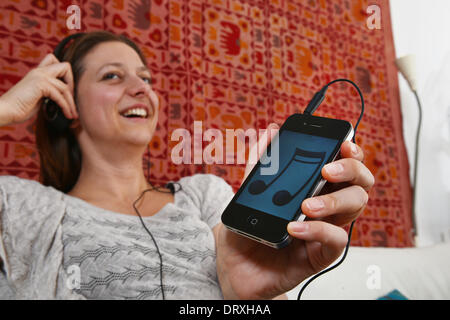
column 349, row 170
column 65, row 90
column 352, row 150
column 332, row 238
column 62, row 70
column 339, row 208
column 55, row 94
column 49, row 59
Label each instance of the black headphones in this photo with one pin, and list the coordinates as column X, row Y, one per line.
column 52, row 112
column 56, row 118
column 60, row 124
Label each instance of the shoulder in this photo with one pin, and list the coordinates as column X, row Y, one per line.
column 15, row 191
column 13, row 184
column 207, row 190
column 31, row 244
column 205, row 182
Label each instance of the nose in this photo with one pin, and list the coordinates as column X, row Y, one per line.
column 138, row 87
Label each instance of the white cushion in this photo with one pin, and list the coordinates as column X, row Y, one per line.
column 369, row 273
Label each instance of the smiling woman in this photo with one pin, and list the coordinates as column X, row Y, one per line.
column 115, row 81
column 82, row 216
column 96, row 73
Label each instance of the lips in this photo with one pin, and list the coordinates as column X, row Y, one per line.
column 136, row 111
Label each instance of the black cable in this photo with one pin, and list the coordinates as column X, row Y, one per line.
column 333, row 266
column 172, row 190
column 320, row 95
column 154, row 241
column 312, row 106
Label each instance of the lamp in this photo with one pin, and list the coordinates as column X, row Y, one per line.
column 407, row 67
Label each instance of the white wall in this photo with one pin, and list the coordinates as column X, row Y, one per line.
column 422, row 27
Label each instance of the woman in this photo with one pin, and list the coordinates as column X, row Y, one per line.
column 77, row 235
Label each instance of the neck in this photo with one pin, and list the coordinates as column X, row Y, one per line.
column 116, row 182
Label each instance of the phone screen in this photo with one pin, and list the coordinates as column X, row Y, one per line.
column 293, row 172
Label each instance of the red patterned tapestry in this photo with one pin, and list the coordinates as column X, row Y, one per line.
column 236, row 65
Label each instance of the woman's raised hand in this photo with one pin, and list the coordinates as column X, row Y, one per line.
column 51, row 79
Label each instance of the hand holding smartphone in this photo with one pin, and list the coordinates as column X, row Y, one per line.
column 288, row 172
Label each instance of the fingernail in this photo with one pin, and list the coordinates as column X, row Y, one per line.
column 334, row 168
column 298, row 227
column 315, row 204
column 353, row 149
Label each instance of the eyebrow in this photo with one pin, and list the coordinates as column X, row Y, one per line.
column 118, row 64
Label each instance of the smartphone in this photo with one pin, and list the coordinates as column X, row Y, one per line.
column 288, row 172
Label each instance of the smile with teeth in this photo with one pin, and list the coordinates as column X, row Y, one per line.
column 135, row 112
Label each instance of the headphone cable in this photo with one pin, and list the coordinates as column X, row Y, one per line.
column 153, row 239
column 312, row 106
column 172, row 191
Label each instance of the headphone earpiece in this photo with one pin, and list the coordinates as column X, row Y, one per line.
column 52, row 112
column 171, row 187
column 55, row 117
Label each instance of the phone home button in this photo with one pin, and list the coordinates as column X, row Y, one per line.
column 252, row 220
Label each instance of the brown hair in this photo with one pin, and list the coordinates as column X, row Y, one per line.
column 60, row 154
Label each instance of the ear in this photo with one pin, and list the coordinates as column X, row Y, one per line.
column 75, row 123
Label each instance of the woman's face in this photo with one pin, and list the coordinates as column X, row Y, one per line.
column 115, row 81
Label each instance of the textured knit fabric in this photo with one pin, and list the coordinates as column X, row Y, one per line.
column 55, row 246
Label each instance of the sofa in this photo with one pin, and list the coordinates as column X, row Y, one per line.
column 372, row 273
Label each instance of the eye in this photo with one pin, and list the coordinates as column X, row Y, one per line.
column 147, row 79
column 110, row 76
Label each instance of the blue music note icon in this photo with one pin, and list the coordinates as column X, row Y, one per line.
column 301, row 157
column 283, row 197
